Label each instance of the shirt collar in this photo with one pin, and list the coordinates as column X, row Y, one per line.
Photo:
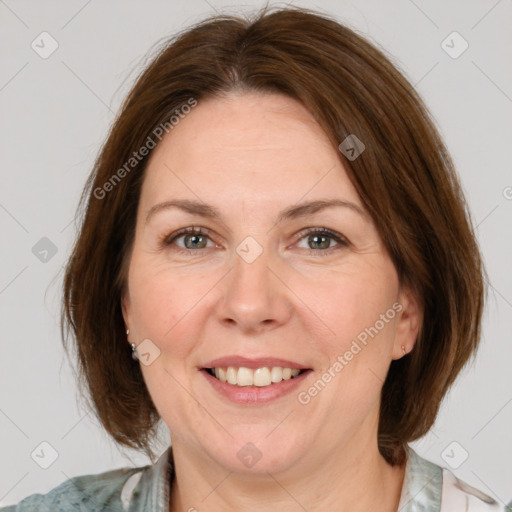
column 422, row 487
column 421, row 490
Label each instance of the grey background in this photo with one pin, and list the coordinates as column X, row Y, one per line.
column 55, row 115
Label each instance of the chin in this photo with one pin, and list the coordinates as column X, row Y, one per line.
column 263, row 455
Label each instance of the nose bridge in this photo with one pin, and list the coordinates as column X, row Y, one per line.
column 254, row 296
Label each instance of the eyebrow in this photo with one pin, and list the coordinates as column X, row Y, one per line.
column 210, row 212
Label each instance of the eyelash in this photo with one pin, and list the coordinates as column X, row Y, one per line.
column 166, row 241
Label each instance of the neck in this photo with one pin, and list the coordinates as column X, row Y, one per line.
column 355, row 478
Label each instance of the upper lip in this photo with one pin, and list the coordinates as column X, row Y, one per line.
column 253, row 363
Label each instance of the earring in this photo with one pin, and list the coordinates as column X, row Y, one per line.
column 403, row 350
column 135, row 356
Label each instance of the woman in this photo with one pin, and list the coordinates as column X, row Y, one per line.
column 277, row 261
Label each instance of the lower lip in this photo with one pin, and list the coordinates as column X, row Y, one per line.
column 254, row 395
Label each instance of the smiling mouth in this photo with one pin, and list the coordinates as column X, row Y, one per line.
column 259, row 377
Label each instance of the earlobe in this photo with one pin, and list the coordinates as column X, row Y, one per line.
column 409, row 322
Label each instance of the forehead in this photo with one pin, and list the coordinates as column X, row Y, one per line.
column 251, row 147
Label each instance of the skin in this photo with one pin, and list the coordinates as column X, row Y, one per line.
column 252, row 155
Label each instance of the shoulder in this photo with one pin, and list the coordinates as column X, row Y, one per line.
column 429, row 487
column 103, row 491
column 458, row 495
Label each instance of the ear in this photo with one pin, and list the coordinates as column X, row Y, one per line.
column 409, row 320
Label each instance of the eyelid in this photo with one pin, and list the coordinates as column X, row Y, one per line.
column 340, row 239
column 167, row 240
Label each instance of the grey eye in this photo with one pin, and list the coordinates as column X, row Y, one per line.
column 194, row 241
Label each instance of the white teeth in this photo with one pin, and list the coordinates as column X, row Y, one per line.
column 231, row 375
column 260, row 377
column 276, row 374
column 245, row 376
column 220, row 373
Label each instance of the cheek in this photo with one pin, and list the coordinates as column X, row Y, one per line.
column 348, row 304
column 163, row 303
column 359, row 313
column 165, row 311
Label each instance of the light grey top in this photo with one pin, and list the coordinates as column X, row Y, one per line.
column 427, row 488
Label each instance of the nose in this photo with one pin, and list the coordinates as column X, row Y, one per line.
column 256, row 298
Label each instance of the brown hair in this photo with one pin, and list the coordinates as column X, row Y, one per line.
column 405, row 179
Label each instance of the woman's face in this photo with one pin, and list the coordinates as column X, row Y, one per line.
column 259, row 293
